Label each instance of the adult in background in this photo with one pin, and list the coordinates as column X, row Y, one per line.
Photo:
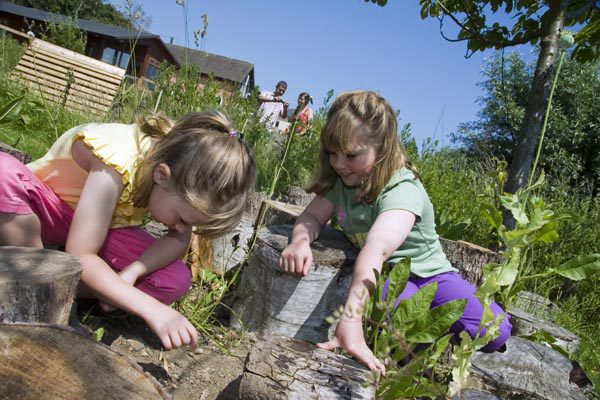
column 303, row 113
column 273, row 106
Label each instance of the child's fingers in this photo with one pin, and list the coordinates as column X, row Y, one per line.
column 193, row 336
column 166, row 341
column 307, row 264
column 175, row 339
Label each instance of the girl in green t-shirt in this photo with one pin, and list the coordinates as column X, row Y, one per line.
column 365, row 180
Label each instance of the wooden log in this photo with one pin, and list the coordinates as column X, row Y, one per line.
column 269, row 301
column 284, row 368
column 524, row 323
column 528, row 370
column 40, row 361
column 277, row 213
column 254, row 202
column 18, row 154
column 229, row 250
column 469, row 258
column 37, row 285
column 297, row 196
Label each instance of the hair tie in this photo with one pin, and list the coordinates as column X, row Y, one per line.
column 233, row 134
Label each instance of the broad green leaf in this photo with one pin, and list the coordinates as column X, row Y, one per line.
column 431, row 326
column 514, row 204
column 408, row 311
column 580, row 267
column 398, row 278
column 397, row 383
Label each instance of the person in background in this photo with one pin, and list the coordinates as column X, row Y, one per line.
column 365, row 182
column 303, row 113
column 273, row 106
column 93, row 188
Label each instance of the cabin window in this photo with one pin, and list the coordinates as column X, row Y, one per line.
column 115, row 57
column 152, row 68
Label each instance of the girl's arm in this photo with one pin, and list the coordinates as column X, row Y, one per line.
column 385, row 236
column 296, row 258
column 162, row 252
column 90, row 225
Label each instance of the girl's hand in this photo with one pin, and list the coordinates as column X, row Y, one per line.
column 349, row 335
column 172, row 328
column 296, row 258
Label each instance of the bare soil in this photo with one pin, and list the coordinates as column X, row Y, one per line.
column 205, row 373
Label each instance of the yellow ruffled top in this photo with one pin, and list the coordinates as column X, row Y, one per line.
column 118, row 145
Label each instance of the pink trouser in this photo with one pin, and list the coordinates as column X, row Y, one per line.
column 21, row 192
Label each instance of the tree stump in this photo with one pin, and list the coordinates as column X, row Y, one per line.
column 39, row 361
column 284, row 368
column 297, row 196
column 37, row 285
column 270, row 301
column 528, row 370
column 229, row 250
column 469, row 258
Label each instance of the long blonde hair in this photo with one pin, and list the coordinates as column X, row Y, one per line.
column 370, row 116
column 211, row 167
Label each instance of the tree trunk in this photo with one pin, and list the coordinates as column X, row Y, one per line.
column 40, row 361
column 469, row 258
column 284, row 368
column 37, row 285
column 520, row 166
column 272, row 302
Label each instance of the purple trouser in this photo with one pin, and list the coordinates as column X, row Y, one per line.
column 21, row 193
column 452, row 286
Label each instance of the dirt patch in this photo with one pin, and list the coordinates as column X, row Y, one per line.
column 205, row 373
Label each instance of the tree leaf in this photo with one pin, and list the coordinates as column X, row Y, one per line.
column 408, row 311
column 580, row 267
column 434, row 324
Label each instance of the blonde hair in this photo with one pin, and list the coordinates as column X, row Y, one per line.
column 368, row 115
column 211, row 167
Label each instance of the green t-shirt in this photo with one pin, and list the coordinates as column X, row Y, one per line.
column 402, row 192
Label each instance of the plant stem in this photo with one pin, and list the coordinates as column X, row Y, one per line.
column 548, row 108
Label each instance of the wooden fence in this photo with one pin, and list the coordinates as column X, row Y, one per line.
column 65, row 77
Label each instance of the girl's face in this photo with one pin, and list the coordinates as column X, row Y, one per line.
column 301, row 100
column 355, row 164
column 168, row 207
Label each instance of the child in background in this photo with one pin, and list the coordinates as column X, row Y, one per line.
column 303, row 113
column 366, row 181
column 92, row 189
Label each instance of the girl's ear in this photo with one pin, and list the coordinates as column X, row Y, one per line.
column 162, row 175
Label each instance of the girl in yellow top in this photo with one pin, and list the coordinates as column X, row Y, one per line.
column 96, row 183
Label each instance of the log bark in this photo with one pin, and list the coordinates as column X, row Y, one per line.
column 297, row 196
column 524, row 323
column 229, row 250
column 269, row 301
column 284, row 368
column 469, row 258
column 18, row 154
column 528, row 370
column 39, row 361
column 37, row 285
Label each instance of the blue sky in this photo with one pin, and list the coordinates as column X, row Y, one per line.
column 318, row 45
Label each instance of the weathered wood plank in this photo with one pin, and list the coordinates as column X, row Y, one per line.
column 283, row 368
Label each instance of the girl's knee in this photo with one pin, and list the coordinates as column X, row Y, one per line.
column 168, row 284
